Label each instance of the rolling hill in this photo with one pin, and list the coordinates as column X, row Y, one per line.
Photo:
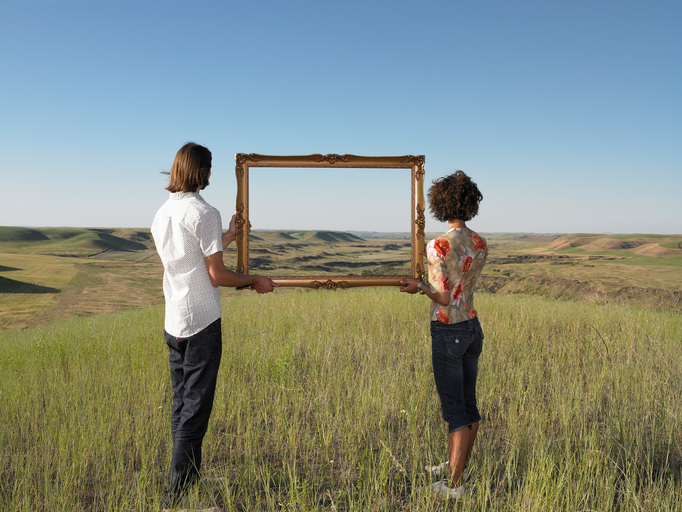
column 643, row 245
column 80, row 242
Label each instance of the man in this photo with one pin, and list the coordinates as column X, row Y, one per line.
column 188, row 236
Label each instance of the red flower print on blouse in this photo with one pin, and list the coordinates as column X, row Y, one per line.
column 478, row 242
column 442, row 247
column 457, row 292
column 472, row 313
column 446, row 284
column 466, row 265
column 443, row 316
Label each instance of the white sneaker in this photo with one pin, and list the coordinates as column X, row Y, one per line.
column 437, row 470
column 441, row 468
column 441, row 490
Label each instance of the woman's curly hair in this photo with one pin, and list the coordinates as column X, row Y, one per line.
column 454, row 197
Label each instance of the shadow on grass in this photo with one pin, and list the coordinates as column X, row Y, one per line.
column 7, row 269
column 12, row 286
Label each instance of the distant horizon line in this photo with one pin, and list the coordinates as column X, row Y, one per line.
column 354, row 231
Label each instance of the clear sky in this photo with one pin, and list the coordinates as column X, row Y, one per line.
column 567, row 114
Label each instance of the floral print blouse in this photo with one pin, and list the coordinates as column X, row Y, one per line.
column 455, row 261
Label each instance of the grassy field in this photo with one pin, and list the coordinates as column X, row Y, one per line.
column 326, row 402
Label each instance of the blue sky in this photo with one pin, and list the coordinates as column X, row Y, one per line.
column 566, row 114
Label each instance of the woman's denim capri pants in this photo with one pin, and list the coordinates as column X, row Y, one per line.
column 455, row 349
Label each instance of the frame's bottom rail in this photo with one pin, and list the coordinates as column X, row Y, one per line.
column 333, row 283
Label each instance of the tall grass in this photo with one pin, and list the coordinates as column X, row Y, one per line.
column 326, row 401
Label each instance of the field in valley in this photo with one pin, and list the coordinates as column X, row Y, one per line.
column 638, row 269
column 57, row 273
column 313, row 253
column 326, row 399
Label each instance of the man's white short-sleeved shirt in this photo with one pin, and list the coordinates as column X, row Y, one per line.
column 186, row 229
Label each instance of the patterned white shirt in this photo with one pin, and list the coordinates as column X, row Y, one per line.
column 186, row 229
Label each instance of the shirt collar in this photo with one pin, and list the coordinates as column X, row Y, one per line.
column 184, row 195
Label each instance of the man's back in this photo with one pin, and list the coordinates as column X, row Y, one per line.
column 186, row 229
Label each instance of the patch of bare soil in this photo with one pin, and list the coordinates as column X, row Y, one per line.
column 570, row 242
column 644, row 247
column 656, row 250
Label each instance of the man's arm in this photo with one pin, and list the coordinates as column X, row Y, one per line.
column 220, row 276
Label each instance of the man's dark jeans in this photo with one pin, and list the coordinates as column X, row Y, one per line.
column 194, row 364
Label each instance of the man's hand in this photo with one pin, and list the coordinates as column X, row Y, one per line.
column 231, row 234
column 409, row 285
column 263, row 284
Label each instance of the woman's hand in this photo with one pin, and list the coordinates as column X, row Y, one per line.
column 409, row 285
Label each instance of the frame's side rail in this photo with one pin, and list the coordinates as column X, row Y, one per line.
column 242, row 207
column 418, row 221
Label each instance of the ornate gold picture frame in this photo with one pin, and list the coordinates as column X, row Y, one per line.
column 415, row 163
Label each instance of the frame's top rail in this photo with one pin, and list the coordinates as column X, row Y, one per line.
column 329, row 160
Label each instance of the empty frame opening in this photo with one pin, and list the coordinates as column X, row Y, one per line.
column 330, row 221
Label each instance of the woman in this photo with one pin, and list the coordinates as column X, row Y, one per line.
column 188, row 236
column 455, row 261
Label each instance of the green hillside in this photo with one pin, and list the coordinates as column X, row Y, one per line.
column 307, row 236
column 12, row 234
column 72, row 241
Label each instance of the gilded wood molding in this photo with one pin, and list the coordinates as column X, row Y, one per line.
column 420, row 221
column 332, row 159
column 413, row 196
column 242, row 158
column 240, row 221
